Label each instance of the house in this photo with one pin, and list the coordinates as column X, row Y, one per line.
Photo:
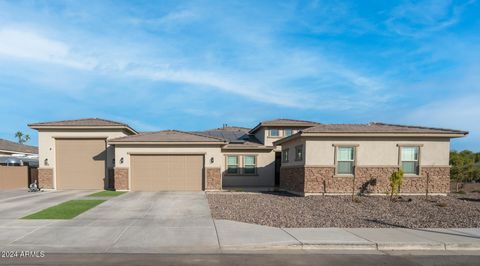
column 10, row 148
column 302, row 157
column 12, row 153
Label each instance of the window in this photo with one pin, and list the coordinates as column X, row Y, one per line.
column 249, row 164
column 274, row 132
column 232, row 164
column 409, row 160
column 345, row 160
column 287, row 132
column 299, row 153
column 285, row 155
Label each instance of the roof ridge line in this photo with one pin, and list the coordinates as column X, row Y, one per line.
column 79, row 119
column 108, row 120
column 290, row 119
column 412, row 126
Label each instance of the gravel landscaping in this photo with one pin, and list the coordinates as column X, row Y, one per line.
column 285, row 210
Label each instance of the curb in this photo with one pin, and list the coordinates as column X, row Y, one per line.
column 355, row 246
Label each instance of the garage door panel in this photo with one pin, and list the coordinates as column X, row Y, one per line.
column 191, row 171
column 166, row 172
column 80, row 163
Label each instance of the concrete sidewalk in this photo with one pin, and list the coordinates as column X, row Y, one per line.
column 75, row 236
column 235, row 235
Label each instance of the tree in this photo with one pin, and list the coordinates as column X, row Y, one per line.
column 396, row 180
column 22, row 138
column 464, row 169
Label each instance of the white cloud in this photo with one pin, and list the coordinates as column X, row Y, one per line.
column 420, row 18
column 171, row 19
column 25, row 44
column 273, row 79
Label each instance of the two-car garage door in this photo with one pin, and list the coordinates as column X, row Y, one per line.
column 166, row 172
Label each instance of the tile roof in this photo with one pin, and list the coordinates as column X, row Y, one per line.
column 81, row 122
column 168, row 136
column 84, row 122
column 378, row 128
column 7, row 145
column 284, row 122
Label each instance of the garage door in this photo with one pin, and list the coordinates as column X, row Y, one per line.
column 166, row 172
column 80, row 163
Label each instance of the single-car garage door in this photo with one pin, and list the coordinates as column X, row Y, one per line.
column 170, row 172
column 80, row 163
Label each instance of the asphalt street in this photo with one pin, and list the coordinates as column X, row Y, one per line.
column 247, row 259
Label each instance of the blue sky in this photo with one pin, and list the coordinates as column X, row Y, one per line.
column 194, row 65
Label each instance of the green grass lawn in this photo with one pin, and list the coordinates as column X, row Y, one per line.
column 66, row 210
column 107, row 193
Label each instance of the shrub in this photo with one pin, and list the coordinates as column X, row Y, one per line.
column 396, row 180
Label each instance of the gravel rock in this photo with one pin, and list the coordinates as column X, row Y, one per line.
column 286, row 210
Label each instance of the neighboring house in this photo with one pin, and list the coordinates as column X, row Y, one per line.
column 96, row 153
column 10, row 148
column 14, row 154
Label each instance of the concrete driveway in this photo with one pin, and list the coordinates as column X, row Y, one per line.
column 133, row 222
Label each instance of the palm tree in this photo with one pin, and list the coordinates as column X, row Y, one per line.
column 19, row 135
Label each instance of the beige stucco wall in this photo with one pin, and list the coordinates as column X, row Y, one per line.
column 46, row 143
column 265, row 176
column 291, row 154
column 123, row 151
column 377, row 151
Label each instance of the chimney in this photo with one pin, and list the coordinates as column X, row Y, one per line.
column 225, row 125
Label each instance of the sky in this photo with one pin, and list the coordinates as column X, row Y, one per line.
column 194, row 65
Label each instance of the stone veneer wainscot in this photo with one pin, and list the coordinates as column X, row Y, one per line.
column 368, row 180
column 121, row 178
column 45, row 178
column 214, row 179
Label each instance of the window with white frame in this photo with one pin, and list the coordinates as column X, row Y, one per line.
column 274, row 132
column 345, row 160
column 232, row 164
column 287, row 132
column 285, row 155
column 409, row 160
column 249, row 164
column 299, row 153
